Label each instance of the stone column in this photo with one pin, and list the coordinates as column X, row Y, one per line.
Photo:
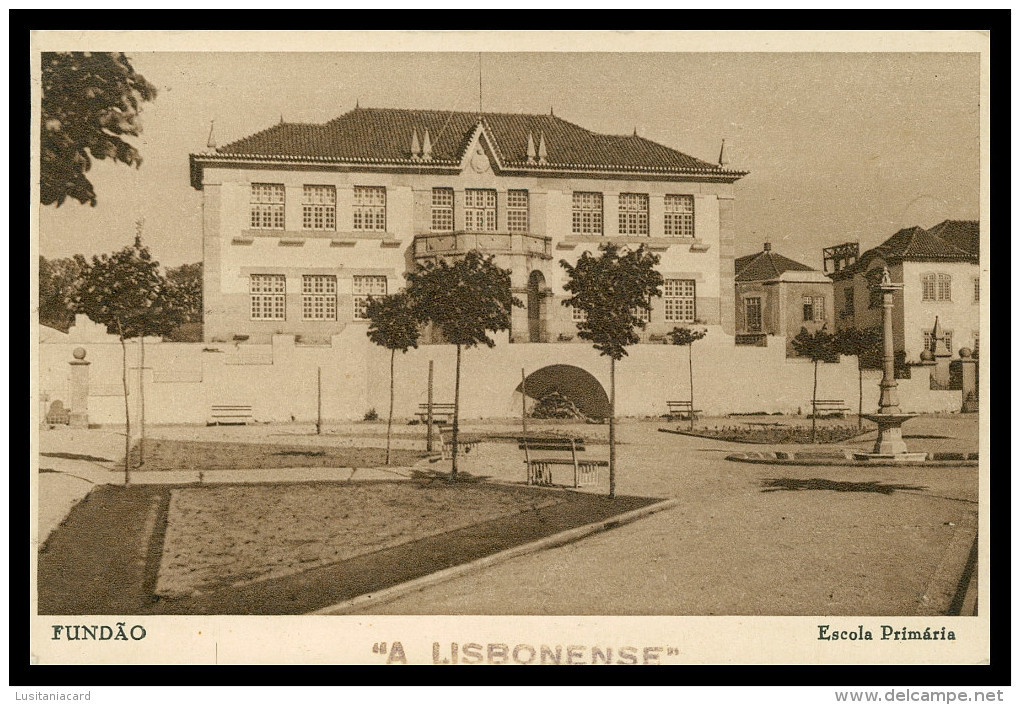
column 970, row 390
column 79, row 389
column 889, row 402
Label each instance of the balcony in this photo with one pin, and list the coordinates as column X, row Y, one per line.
column 462, row 242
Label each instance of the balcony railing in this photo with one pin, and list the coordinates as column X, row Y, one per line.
column 461, row 242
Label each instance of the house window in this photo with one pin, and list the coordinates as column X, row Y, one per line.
column 480, row 210
column 587, row 213
column 268, row 297
column 633, row 213
column 814, row 308
column 929, row 340
column 318, row 208
column 678, row 299
column 578, row 315
column 442, row 210
column 318, row 297
column 641, row 313
column 365, row 286
column 370, row 208
column 752, row 314
column 977, row 289
column 267, row 206
column 848, row 302
column 936, row 287
column 679, row 215
column 517, row 211
column 977, row 342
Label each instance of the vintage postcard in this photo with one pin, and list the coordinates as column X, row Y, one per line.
column 457, row 348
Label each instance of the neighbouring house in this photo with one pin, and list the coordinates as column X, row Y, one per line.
column 940, row 271
column 776, row 295
column 303, row 222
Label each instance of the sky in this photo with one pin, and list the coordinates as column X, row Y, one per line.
column 839, row 146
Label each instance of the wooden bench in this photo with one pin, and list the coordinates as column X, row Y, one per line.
column 442, row 414
column 828, row 407
column 230, row 414
column 586, row 471
column 682, row 410
column 465, row 443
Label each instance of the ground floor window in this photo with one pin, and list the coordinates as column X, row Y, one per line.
column 679, row 300
column 318, row 297
column 814, row 308
column 268, row 297
column 752, row 314
column 930, row 342
column 364, row 287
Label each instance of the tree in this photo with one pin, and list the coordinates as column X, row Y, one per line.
column 59, row 280
column 89, row 100
column 819, row 347
column 125, row 292
column 687, row 336
column 184, row 295
column 465, row 301
column 394, row 327
column 610, row 290
column 866, row 345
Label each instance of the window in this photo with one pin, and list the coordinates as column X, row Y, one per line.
column 578, row 315
column 268, row 297
column 318, row 297
column 929, row 340
column 848, row 301
column 442, row 210
column 363, row 288
column 679, row 215
column 480, row 210
column 977, row 289
column 587, row 213
column 936, row 287
column 633, row 213
column 752, row 314
column 517, row 211
column 678, row 298
column 814, row 308
column 642, row 313
column 318, row 208
column 267, row 206
column 370, row 208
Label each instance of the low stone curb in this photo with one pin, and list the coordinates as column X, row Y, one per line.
column 564, row 537
column 766, row 458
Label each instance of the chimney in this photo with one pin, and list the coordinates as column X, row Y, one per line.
column 767, row 247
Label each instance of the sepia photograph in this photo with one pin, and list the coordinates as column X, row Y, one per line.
column 510, row 347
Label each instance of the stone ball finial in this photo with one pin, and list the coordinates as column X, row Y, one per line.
column 965, row 352
column 79, row 353
column 927, row 356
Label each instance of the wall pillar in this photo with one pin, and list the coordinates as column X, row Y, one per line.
column 727, row 240
column 970, row 389
column 79, row 389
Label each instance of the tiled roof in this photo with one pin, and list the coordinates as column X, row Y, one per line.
column 383, row 136
column 964, row 235
column 764, row 266
column 949, row 241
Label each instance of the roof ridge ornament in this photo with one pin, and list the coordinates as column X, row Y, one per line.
column 415, row 148
column 542, row 153
column 426, row 148
column 211, row 142
column 532, row 155
column 723, row 161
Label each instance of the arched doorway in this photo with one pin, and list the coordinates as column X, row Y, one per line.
column 537, row 293
column 576, row 384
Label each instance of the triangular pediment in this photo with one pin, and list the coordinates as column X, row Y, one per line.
column 480, row 156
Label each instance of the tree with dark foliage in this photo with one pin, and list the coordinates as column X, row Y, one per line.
column 394, row 327
column 820, row 348
column 866, row 345
column 89, row 101
column 687, row 336
column 59, row 280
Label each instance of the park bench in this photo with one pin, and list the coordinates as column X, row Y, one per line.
column 441, row 413
column 230, row 414
column 828, row 407
column 465, row 443
column 682, row 410
column 566, row 450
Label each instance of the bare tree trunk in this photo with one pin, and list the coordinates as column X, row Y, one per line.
column 141, row 402
column 814, row 404
column 389, row 422
column 456, row 416
column 690, row 367
column 612, row 427
column 127, row 410
column 860, row 394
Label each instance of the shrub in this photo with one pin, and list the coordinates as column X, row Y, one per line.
column 371, row 415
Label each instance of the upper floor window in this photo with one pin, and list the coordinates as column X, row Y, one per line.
column 679, row 299
column 977, row 289
column 480, row 210
column 936, row 287
column 517, row 211
column 370, row 208
column 587, row 213
column 318, row 297
column 578, row 315
column 633, row 213
column 679, row 221
column 442, row 210
column 267, row 206
column 268, row 294
column 814, row 308
column 642, row 314
column 848, row 301
column 318, row 208
column 363, row 287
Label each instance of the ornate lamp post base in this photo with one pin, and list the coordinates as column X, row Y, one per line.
column 889, row 445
